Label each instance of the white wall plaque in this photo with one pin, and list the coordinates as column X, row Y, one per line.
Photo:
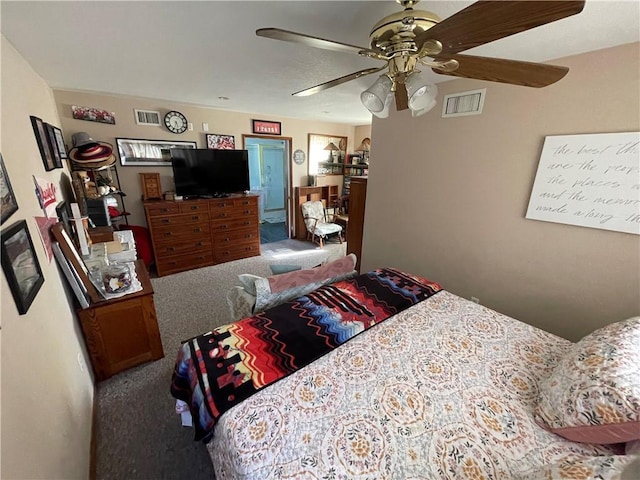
column 589, row 180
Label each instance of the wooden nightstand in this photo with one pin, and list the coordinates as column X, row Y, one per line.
column 123, row 332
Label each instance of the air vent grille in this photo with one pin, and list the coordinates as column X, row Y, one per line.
column 147, row 117
column 463, row 103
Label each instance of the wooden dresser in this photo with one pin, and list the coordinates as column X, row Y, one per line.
column 122, row 332
column 189, row 234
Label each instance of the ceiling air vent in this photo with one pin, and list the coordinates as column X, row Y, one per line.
column 147, row 117
column 464, row 103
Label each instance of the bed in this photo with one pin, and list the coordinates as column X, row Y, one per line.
column 431, row 386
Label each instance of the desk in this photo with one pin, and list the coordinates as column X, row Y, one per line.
column 123, row 332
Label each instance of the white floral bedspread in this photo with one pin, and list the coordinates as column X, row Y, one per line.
column 446, row 389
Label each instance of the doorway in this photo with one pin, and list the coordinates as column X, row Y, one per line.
column 270, row 179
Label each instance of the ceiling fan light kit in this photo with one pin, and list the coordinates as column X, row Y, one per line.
column 411, row 37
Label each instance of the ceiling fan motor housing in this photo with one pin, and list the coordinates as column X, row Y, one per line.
column 395, row 32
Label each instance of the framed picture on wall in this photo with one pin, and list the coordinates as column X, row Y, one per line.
column 20, row 264
column 220, row 142
column 266, row 126
column 53, row 145
column 7, row 197
column 137, row 152
column 42, row 139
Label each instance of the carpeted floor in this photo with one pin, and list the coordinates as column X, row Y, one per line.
column 139, row 436
column 273, row 232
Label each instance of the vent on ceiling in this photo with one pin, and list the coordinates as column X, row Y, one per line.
column 147, row 117
column 463, row 103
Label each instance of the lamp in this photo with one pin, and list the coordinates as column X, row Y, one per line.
column 378, row 96
column 421, row 95
column 331, row 147
column 364, row 148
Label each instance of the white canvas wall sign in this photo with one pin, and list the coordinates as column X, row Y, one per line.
column 589, row 180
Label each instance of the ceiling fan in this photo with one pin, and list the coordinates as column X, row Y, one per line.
column 408, row 39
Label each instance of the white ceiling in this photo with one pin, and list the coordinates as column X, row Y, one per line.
column 195, row 52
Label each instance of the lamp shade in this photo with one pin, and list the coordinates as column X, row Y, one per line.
column 331, row 146
column 364, row 145
column 421, row 94
column 375, row 97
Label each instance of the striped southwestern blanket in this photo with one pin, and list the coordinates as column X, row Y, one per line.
column 219, row 369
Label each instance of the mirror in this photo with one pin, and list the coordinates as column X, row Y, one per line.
column 326, row 154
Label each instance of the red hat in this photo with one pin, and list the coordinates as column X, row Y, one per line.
column 91, row 154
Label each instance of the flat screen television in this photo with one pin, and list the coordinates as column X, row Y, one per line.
column 209, row 173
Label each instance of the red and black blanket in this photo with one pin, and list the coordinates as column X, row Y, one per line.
column 219, row 369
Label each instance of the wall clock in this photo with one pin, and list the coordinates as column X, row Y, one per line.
column 298, row 157
column 175, row 122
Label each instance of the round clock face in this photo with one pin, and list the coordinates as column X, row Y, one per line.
column 298, row 157
column 175, row 122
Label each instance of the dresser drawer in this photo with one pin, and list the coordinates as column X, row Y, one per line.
column 236, row 237
column 234, row 252
column 191, row 207
column 181, row 263
column 184, row 219
column 176, row 247
column 165, row 234
column 234, row 224
column 220, row 204
column 166, row 209
column 234, row 212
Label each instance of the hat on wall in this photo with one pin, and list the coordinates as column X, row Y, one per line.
column 87, row 153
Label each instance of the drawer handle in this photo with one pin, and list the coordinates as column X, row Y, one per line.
column 223, row 215
column 167, row 234
column 247, row 223
column 164, row 210
column 194, row 207
column 170, row 249
column 165, row 220
column 249, row 235
column 195, row 217
column 173, row 263
column 197, row 230
column 223, row 204
column 226, row 239
column 199, row 244
column 224, row 227
column 247, row 212
column 245, row 202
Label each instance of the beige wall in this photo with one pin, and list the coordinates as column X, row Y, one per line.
column 447, row 198
column 220, row 121
column 47, row 393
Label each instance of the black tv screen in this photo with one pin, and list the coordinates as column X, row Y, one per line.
column 208, row 173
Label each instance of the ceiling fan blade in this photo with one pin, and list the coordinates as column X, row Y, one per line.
column 506, row 71
column 402, row 99
column 489, row 20
column 317, row 42
column 337, row 81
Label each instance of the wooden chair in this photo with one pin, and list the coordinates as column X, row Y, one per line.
column 315, row 219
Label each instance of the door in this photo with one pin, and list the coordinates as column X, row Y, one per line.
column 269, row 177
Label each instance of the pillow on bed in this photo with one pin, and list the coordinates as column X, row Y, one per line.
column 287, row 286
column 593, row 394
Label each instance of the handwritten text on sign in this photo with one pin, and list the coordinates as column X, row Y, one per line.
column 589, row 180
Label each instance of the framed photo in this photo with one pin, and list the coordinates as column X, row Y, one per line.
column 76, row 263
column 20, row 265
column 74, row 281
column 93, row 115
column 62, row 149
column 220, row 142
column 265, row 126
column 53, row 145
column 42, row 138
column 136, row 152
column 7, row 197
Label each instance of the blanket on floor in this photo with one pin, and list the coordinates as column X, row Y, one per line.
column 219, row 369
